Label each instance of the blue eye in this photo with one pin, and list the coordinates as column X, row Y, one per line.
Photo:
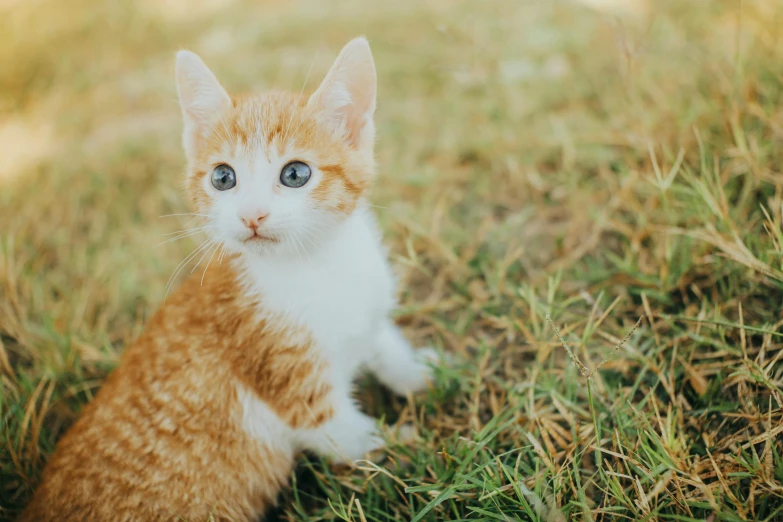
column 223, row 177
column 295, row 174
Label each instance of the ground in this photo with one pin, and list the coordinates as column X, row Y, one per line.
column 549, row 159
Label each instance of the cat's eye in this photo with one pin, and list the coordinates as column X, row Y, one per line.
column 295, row 174
column 223, row 177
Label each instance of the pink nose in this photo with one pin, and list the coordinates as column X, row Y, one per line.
column 254, row 222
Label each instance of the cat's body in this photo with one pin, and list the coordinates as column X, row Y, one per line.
column 254, row 362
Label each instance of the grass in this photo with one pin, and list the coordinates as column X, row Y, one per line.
column 539, row 160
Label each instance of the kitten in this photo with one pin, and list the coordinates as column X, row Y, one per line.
column 237, row 373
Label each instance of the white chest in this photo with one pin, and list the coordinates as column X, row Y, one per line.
column 339, row 293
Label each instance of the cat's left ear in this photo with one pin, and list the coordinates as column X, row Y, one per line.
column 346, row 97
column 201, row 98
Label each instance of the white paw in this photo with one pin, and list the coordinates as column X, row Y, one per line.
column 405, row 433
column 401, row 434
column 429, row 355
column 439, row 359
column 419, row 375
column 357, row 445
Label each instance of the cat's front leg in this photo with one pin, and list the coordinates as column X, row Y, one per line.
column 397, row 365
column 347, row 436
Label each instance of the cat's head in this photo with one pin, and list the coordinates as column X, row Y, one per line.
column 278, row 171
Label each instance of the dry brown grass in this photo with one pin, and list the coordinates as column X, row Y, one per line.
column 538, row 158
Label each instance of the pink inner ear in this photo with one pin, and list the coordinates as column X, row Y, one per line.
column 201, row 95
column 347, row 94
column 360, row 110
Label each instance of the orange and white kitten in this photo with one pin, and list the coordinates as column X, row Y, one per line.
column 235, row 375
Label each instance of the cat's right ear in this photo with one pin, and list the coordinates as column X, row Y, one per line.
column 201, row 97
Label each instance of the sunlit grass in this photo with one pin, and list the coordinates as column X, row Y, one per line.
column 537, row 159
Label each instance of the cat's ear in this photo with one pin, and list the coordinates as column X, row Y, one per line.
column 346, row 97
column 201, row 97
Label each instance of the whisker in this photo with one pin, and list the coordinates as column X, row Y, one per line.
column 227, row 135
column 320, row 228
column 192, row 229
column 309, row 237
column 202, row 227
column 177, row 238
column 298, row 254
column 184, row 214
column 294, row 135
column 181, row 236
column 185, row 231
column 309, row 258
column 217, row 247
column 182, row 264
column 214, row 139
column 206, row 251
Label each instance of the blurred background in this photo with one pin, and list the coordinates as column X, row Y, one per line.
column 596, row 161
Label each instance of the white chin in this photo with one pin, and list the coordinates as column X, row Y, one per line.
column 257, row 246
